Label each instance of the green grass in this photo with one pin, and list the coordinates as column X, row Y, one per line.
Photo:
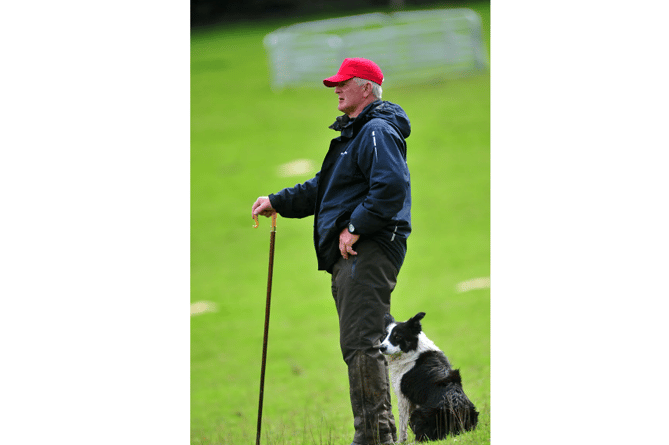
column 240, row 132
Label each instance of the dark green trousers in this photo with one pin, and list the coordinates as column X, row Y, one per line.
column 361, row 287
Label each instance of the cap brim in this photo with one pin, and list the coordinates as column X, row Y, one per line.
column 335, row 80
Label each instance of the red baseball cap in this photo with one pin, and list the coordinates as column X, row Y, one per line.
column 356, row 67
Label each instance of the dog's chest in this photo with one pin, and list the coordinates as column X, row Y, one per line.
column 397, row 371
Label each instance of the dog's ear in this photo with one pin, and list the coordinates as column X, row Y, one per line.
column 414, row 322
column 388, row 319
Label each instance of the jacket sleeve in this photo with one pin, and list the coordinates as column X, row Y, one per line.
column 298, row 201
column 381, row 158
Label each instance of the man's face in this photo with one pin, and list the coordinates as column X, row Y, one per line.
column 352, row 98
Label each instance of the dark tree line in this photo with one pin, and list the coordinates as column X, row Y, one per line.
column 207, row 12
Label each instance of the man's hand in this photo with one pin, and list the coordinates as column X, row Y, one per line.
column 346, row 241
column 263, row 207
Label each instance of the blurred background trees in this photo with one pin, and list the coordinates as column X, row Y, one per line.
column 209, row 12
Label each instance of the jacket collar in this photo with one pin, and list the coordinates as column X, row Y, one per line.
column 349, row 126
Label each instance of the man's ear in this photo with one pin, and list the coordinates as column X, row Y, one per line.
column 368, row 89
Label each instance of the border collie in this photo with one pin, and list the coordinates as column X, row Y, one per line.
column 429, row 392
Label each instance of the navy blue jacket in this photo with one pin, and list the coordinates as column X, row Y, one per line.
column 364, row 180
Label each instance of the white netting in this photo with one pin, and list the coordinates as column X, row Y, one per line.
column 408, row 46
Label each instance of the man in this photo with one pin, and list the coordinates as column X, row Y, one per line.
column 361, row 202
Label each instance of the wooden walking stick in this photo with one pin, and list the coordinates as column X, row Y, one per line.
column 272, row 236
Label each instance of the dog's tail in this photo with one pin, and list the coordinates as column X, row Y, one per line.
column 460, row 413
column 430, row 423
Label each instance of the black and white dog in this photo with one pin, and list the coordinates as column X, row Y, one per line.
column 429, row 392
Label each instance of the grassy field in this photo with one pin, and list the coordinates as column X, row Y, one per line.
column 241, row 132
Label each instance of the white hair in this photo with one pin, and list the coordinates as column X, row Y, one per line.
column 377, row 91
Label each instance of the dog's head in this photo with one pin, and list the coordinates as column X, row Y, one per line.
column 401, row 337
